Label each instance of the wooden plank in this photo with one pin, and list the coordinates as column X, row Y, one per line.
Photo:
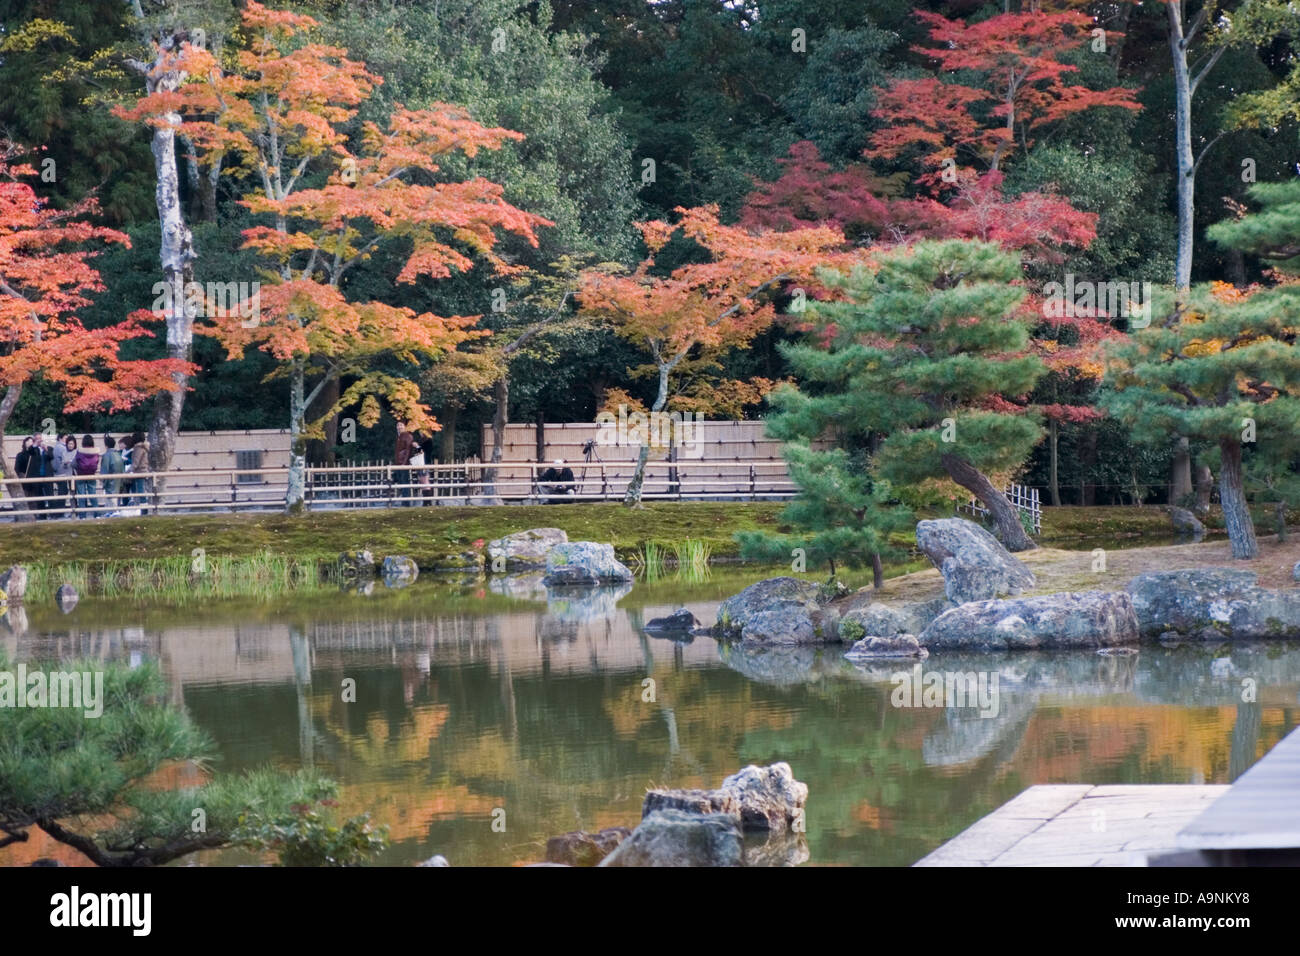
column 1261, row 811
column 1077, row 825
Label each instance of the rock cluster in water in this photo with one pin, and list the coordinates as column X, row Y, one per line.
column 981, row 609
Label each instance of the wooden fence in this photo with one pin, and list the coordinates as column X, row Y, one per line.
column 381, row 485
column 1023, row 499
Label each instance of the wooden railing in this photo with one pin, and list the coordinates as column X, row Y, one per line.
column 385, row 485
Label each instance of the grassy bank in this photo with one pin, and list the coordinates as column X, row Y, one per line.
column 425, row 534
column 255, row 554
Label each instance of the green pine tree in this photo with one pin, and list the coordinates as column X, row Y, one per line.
column 88, row 781
column 1221, row 367
column 914, row 370
column 1272, row 233
column 842, row 515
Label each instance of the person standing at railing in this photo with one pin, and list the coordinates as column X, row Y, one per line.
column 20, row 460
column 86, row 465
column 40, row 464
column 27, row 465
column 424, row 441
column 139, row 463
column 402, row 453
column 63, row 455
column 111, row 463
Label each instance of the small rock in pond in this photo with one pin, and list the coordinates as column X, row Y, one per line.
column 901, row 645
column 66, row 597
column 681, row 623
column 584, row 849
column 436, row 860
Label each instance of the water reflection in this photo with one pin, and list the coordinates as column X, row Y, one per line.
column 559, row 709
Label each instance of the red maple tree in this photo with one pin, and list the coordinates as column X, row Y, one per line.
column 46, row 277
column 1023, row 86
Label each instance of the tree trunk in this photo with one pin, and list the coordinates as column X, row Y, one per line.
column 1185, row 174
column 632, row 497
column 296, row 493
column 1236, row 515
column 1279, row 520
column 500, row 418
column 1204, row 485
column 176, row 254
column 877, row 571
column 1053, row 485
column 1180, row 476
column 15, row 490
column 449, row 417
column 540, row 434
column 1087, row 458
column 321, row 450
column 1006, row 519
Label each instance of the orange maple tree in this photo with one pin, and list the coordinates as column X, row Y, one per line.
column 46, row 276
column 688, row 318
column 280, row 115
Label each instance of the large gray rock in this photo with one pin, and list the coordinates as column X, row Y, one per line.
column 584, row 849
column 523, row 550
column 974, row 564
column 584, row 564
column 1213, row 604
column 1087, row 619
column 769, row 798
column 675, row 838
column 759, row 798
column 891, row 620
column 781, row 610
column 1185, row 522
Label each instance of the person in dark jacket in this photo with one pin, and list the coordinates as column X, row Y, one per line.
column 85, row 465
column 20, row 460
column 40, row 464
column 557, row 480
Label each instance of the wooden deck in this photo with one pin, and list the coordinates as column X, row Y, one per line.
column 1079, row 825
column 1261, row 811
column 1256, row 820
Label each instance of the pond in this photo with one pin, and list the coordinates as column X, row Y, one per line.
column 474, row 698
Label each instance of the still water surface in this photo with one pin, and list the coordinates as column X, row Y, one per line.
column 472, row 698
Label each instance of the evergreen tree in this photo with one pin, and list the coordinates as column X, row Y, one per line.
column 92, row 783
column 1222, row 366
column 923, row 357
column 842, row 516
column 1273, row 232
